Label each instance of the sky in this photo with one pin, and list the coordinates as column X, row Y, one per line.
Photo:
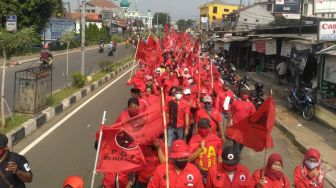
column 177, row 9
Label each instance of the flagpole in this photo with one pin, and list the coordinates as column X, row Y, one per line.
column 165, row 136
column 134, row 59
column 199, row 78
column 98, row 148
column 212, row 79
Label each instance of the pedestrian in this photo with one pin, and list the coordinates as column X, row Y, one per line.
column 282, row 69
column 226, row 97
column 240, row 110
column 149, row 97
column 182, row 174
column 178, row 117
column 73, row 182
column 14, row 168
column 309, row 174
column 206, row 148
column 272, row 176
column 211, row 113
column 136, row 93
column 229, row 173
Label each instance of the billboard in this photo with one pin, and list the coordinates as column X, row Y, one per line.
column 327, row 31
column 11, row 23
column 59, row 26
column 324, row 6
column 287, row 6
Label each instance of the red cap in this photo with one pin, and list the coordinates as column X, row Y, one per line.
column 179, row 150
column 74, row 181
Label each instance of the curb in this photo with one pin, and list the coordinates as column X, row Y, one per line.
column 31, row 125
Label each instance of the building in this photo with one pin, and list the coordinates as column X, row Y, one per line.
column 249, row 18
column 212, row 13
column 106, row 8
column 133, row 14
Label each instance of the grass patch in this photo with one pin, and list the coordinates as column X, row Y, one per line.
column 61, row 94
column 98, row 75
column 18, row 119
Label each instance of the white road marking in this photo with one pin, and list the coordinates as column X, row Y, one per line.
column 54, row 127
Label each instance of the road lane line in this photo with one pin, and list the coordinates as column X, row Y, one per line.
column 40, row 138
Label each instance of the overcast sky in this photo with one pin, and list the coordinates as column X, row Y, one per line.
column 178, row 9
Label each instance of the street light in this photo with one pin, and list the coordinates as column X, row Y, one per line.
column 83, row 38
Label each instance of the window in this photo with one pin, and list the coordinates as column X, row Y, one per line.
column 269, row 7
column 257, row 20
column 214, row 17
column 226, row 10
column 214, row 10
column 245, row 19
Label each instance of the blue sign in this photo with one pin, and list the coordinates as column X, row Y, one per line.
column 60, row 26
column 11, row 21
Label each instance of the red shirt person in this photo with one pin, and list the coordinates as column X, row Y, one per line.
column 182, row 174
column 206, row 148
column 309, row 174
column 272, row 175
column 229, row 173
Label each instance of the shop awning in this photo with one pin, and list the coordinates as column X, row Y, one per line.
column 331, row 50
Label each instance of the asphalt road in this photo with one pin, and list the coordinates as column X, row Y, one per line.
column 92, row 59
column 68, row 150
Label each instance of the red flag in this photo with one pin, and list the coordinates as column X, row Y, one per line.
column 145, row 126
column 141, row 51
column 118, row 152
column 255, row 131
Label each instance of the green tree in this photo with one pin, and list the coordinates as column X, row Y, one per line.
column 12, row 44
column 31, row 13
column 161, row 18
column 181, row 24
column 67, row 38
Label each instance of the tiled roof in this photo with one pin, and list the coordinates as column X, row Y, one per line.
column 102, row 3
column 89, row 16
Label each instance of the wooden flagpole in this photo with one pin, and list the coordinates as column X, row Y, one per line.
column 97, row 152
column 134, row 60
column 165, row 136
column 212, row 78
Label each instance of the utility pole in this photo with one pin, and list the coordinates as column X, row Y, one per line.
column 83, row 38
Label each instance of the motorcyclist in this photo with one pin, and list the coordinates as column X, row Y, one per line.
column 46, row 57
column 101, row 45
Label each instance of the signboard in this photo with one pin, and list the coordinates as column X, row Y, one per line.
column 11, row 23
column 288, row 8
column 270, row 47
column 204, row 19
column 286, row 48
column 324, row 6
column 327, row 31
column 291, row 16
column 300, row 58
column 60, row 26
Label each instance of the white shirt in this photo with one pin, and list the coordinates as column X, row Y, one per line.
column 282, row 68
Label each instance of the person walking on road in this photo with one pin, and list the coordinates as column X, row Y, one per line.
column 229, row 173
column 14, row 168
column 272, row 176
column 309, row 174
column 182, row 174
column 282, row 69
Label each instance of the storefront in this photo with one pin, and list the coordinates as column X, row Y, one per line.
column 263, row 54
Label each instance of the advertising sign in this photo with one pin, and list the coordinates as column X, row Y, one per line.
column 288, row 7
column 60, row 26
column 324, row 6
column 204, row 23
column 11, row 23
column 329, row 73
column 327, row 31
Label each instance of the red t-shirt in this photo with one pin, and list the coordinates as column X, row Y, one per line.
column 302, row 181
column 109, row 179
column 241, row 110
column 151, row 99
column 189, row 177
column 182, row 110
column 218, row 177
column 213, row 149
column 214, row 121
column 282, row 183
column 168, row 83
column 222, row 96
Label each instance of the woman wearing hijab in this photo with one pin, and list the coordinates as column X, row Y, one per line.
column 272, row 175
column 309, row 174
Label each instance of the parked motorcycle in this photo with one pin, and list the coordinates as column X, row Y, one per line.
column 301, row 99
column 257, row 95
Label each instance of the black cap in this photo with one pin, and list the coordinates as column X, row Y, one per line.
column 204, row 122
column 3, row 140
column 230, row 156
column 135, row 90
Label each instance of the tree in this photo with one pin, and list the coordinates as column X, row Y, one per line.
column 161, row 19
column 32, row 13
column 67, row 38
column 12, row 44
column 183, row 25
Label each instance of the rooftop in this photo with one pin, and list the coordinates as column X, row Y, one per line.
column 102, row 3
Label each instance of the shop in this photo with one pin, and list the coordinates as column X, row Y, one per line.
column 263, row 56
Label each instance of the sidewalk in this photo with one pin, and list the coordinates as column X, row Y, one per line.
column 304, row 134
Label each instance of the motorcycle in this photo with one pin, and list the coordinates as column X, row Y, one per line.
column 45, row 65
column 257, row 95
column 240, row 84
column 301, row 99
column 110, row 52
column 101, row 48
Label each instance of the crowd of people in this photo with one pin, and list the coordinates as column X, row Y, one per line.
column 199, row 107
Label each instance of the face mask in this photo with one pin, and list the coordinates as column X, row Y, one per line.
column 180, row 164
column 245, row 97
column 203, row 132
column 275, row 174
column 207, row 106
column 178, row 96
column 190, row 81
column 133, row 112
column 2, row 151
column 229, row 168
column 311, row 165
